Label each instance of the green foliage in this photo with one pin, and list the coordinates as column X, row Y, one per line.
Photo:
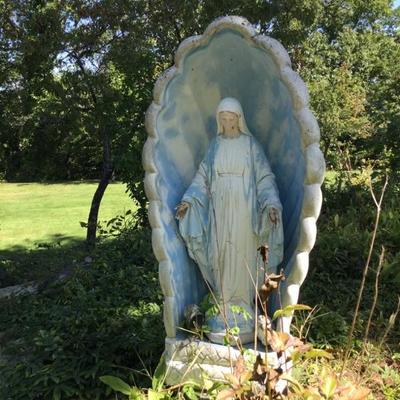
column 117, row 384
column 391, row 381
column 77, row 73
column 238, row 310
column 104, row 319
column 208, row 306
column 256, row 379
column 288, row 310
column 329, row 328
column 336, row 263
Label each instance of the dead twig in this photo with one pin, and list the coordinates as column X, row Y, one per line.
column 378, row 205
column 376, row 292
column 391, row 323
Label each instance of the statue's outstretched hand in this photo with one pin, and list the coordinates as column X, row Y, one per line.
column 181, row 210
column 273, row 215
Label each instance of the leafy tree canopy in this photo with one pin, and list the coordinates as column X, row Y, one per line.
column 76, row 77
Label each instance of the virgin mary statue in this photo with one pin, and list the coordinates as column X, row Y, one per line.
column 230, row 209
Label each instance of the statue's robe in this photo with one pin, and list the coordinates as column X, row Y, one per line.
column 215, row 205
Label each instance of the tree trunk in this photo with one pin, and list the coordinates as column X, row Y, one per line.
column 107, row 164
column 98, row 194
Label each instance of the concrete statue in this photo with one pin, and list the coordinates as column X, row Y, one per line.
column 230, row 209
column 232, row 162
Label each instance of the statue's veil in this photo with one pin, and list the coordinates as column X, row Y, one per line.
column 230, row 104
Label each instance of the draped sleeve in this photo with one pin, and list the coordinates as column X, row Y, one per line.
column 267, row 197
column 194, row 225
column 267, row 191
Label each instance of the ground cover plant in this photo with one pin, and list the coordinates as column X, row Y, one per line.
column 104, row 319
column 372, row 369
column 345, row 229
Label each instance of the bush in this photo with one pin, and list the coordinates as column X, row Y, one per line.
column 338, row 259
column 104, row 319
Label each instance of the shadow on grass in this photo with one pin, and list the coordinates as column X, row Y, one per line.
column 86, row 181
column 58, row 253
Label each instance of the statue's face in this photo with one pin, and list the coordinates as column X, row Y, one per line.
column 229, row 122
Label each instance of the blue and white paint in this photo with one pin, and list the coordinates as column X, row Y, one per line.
column 230, row 60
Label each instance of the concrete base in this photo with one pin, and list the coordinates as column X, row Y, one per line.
column 220, row 337
column 190, row 359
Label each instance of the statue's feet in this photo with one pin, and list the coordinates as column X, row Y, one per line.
column 235, row 325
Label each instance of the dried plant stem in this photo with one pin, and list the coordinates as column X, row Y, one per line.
column 376, row 292
column 391, row 323
column 265, row 308
column 306, row 323
column 280, row 303
column 255, row 304
column 254, row 284
column 220, row 310
column 257, row 299
column 285, row 359
column 378, row 205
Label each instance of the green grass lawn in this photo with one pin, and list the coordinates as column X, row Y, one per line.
column 35, row 213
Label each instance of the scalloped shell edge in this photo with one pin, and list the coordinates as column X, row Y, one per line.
column 314, row 161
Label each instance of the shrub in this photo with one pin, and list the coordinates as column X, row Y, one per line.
column 337, row 261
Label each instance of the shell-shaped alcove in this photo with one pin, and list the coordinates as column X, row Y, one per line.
column 229, row 60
